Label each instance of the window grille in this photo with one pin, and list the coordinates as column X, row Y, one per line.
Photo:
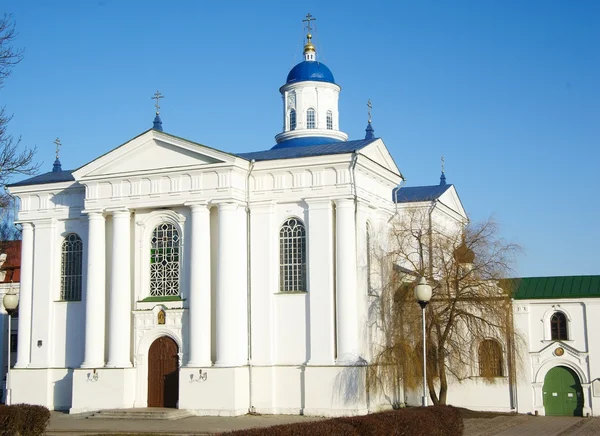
column 292, row 256
column 293, row 119
column 490, row 358
column 310, row 119
column 72, row 261
column 329, row 120
column 165, row 261
column 558, row 327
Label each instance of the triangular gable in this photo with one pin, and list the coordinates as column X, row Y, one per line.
column 378, row 152
column 150, row 151
column 450, row 199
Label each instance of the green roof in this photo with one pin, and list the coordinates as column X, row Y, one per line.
column 557, row 287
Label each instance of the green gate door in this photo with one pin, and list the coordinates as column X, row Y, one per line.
column 562, row 393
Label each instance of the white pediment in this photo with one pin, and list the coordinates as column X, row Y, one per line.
column 451, row 200
column 378, row 152
column 152, row 152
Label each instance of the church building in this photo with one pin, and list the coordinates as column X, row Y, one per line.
column 166, row 273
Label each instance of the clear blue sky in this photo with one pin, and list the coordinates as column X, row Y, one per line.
column 508, row 91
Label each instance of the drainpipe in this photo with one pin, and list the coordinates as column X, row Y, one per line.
column 395, row 198
column 433, row 203
column 249, row 285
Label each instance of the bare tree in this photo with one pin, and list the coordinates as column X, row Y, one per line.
column 469, row 324
column 14, row 159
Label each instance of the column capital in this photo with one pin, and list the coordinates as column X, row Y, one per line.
column 318, row 203
column 120, row 213
column 344, row 203
column 229, row 205
column 25, row 224
column 199, row 206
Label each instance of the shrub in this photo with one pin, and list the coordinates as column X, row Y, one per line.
column 23, row 420
column 416, row 421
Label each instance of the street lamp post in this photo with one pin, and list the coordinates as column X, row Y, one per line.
column 423, row 295
column 10, row 301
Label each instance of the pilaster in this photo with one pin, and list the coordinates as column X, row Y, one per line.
column 200, row 285
column 119, row 329
column 25, row 297
column 95, row 298
column 346, row 287
column 321, row 282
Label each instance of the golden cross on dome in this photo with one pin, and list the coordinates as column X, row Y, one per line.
column 308, row 19
column 157, row 96
column 58, row 144
column 370, row 106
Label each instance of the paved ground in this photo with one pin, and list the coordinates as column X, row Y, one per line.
column 511, row 425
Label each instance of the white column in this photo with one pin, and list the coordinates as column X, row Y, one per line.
column 200, row 282
column 95, row 293
column 346, row 288
column 25, row 297
column 231, row 294
column 321, row 282
column 119, row 339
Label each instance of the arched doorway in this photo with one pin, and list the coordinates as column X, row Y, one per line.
column 562, row 393
column 163, row 373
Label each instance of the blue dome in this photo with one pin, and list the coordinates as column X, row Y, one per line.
column 310, row 70
column 305, row 142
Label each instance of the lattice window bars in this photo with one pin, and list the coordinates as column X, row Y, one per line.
column 72, row 261
column 292, row 256
column 165, row 261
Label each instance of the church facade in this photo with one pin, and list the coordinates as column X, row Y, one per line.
column 168, row 273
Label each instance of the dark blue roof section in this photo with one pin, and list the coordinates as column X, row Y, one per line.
column 310, row 70
column 51, row 177
column 418, row 193
column 303, row 142
column 308, row 151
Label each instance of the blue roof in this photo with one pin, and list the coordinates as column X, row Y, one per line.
column 303, row 142
column 307, row 151
column 418, row 193
column 51, row 177
column 310, row 70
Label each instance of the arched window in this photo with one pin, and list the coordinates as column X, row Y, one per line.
column 310, row 119
column 165, row 248
column 329, row 120
column 293, row 119
column 292, row 256
column 558, row 327
column 72, row 261
column 490, row 358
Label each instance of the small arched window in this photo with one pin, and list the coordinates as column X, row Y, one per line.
column 165, row 247
column 310, row 118
column 293, row 119
column 292, row 256
column 72, row 261
column 490, row 358
column 329, row 120
column 558, row 327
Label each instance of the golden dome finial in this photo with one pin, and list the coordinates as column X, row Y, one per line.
column 309, row 47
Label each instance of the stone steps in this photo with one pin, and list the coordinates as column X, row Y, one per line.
column 141, row 413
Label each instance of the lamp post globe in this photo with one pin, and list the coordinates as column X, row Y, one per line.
column 10, row 302
column 423, row 291
column 423, row 295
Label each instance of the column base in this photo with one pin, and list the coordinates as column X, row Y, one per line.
column 103, row 388
column 215, row 391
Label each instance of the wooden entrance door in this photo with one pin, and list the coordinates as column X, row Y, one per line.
column 163, row 373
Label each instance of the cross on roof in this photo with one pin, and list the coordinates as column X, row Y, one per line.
column 442, row 163
column 58, row 144
column 308, row 19
column 157, row 96
column 370, row 106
